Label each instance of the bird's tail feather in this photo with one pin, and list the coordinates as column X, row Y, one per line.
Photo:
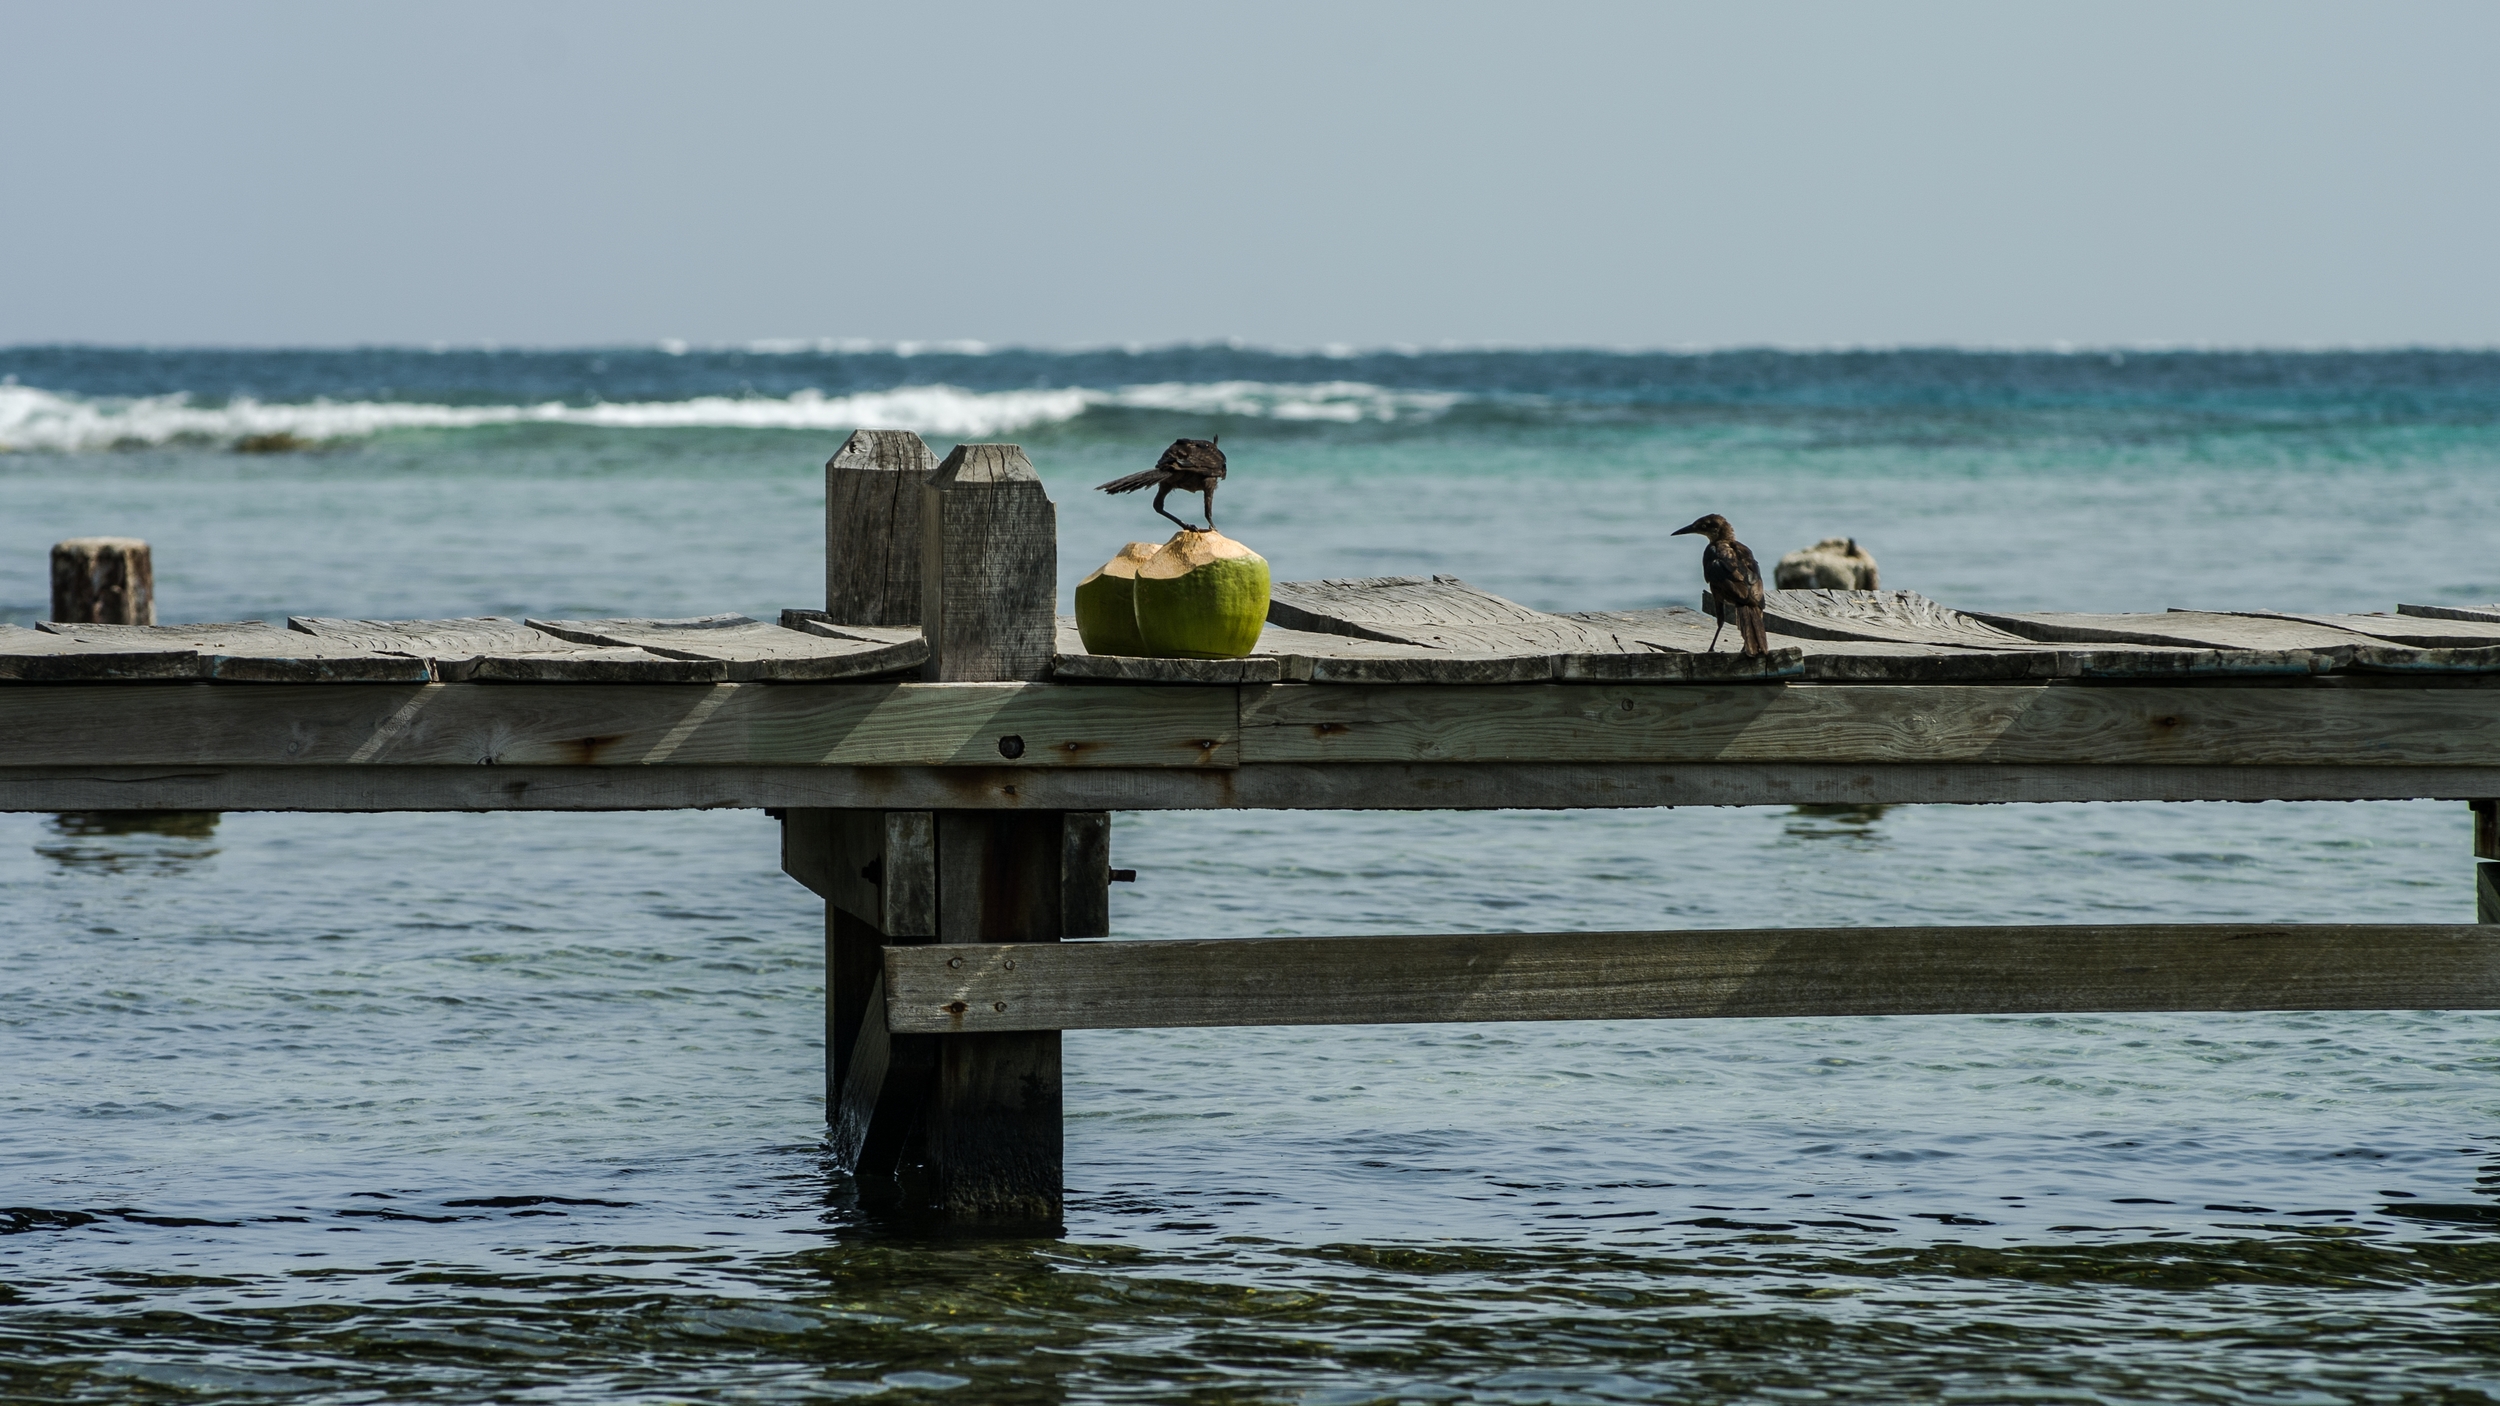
column 1133, row 482
column 1749, row 619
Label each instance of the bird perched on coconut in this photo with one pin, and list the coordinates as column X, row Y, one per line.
column 1734, row 579
column 1191, row 465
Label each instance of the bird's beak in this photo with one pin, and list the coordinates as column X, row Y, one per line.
column 1693, row 526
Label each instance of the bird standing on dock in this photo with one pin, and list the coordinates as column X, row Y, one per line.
column 1734, row 579
column 1191, row 465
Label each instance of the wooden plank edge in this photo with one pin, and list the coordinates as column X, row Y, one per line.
column 880, row 657
column 966, row 988
column 2489, row 614
column 368, row 787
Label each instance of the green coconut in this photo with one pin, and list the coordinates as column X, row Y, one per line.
column 1106, row 607
column 1204, row 596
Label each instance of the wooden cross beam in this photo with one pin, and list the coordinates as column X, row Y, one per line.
column 1666, row 975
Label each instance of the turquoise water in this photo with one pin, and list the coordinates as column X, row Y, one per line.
column 528, row 1107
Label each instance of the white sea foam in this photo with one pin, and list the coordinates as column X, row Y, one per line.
column 36, row 419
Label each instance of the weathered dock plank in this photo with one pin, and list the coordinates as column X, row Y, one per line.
column 1825, row 657
column 36, row 656
column 1435, row 612
column 255, row 651
column 1894, row 636
column 1845, row 723
column 1473, row 636
column 491, row 649
column 1427, row 630
column 1895, row 617
column 2334, row 647
column 891, row 724
column 1685, row 975
column 1288, row 655
column 2488, row 613
column 2193, row 629
column 2409, row 630
column 752, row 650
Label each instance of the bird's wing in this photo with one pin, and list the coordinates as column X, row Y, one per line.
column 1732, row 573
column 1151, row 478
column 1193, row 456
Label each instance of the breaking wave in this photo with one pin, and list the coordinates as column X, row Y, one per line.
column 35, row 419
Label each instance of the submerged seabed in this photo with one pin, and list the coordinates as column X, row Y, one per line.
column 524, row 1107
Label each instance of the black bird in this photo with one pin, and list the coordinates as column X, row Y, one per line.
column 1191, row 465
column 1734, row 578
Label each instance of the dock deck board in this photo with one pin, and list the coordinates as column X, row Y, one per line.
column 750, row 650
column 38, row 656
column 490, row 649
column 255, row 651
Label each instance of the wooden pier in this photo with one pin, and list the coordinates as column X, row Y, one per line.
column 944, row 755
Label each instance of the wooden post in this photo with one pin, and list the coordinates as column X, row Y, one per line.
column 989, row 583
column 872, row 527
column 2486, row 872
column 995, row 1144
column 877, row 872
column 969, row 1124
column 989, row 579
column 103, row 581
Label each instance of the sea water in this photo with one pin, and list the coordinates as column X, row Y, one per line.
column 526, row 1107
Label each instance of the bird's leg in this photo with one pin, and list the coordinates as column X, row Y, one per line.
column 1714, row 636
column 1161, row 493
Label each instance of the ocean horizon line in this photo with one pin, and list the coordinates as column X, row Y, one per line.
column 973, row 347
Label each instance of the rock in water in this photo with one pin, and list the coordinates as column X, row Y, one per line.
column 1204, row 596
column 1833, row 564
column 1106, row 603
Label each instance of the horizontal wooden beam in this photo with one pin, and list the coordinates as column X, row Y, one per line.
column 1665, row 975
column 1605, row 729
column 1025, row 726
column 1303, row 786
column 2298, row 722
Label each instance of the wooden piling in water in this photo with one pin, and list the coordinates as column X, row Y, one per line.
column 103, row 581
column 968, row 1125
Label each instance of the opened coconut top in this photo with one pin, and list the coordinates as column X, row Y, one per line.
column 1187, row 551
column 1125, row 564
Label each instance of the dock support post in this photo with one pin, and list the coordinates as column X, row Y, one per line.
column 989, row 569
column 995, row 1140
column 877, row 872
column 989, row 584
column 872, row 527
column 2486, row 851
column 103, row 581
column 970, row 1124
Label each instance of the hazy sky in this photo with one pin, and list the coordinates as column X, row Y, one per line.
column 1649, row 175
